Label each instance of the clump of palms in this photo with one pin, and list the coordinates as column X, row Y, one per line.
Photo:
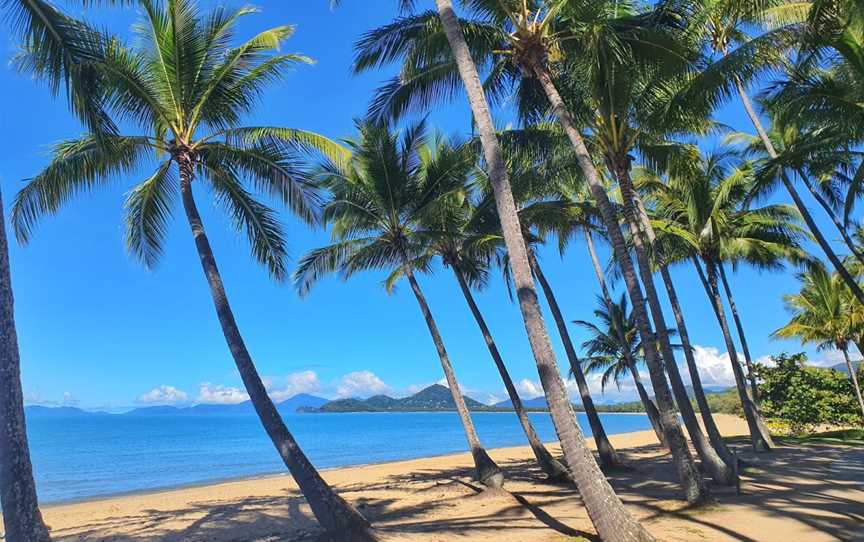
column 379, row 199
column 701, row 209
column 467, row 242
column 607, row 512
column 186, row 88
column 827, row 314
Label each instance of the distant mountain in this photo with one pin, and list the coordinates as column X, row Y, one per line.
column 39, row 411
column 434, row 398
column 291, row 405
column 845, row 370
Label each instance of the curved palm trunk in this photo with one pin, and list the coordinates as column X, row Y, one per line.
column 854, row 378
column 696, row 381
column 759, row 435
column 718, row 469
column 847, row 239
column 650, row 407
column 796, row 198
column 607, row 512
column 336, row 516
column 553, row 469
column 695, row 489
column 739, row 327
column 21, row 516
column 487, row 472
column 608, row 456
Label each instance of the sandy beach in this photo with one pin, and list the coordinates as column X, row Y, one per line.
column 808, row 492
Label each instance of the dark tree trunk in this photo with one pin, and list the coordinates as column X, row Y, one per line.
column 711, row 460
column 608, row 456
column 336, row 516
column 695, row 379
column 799, row 203
column 759, row 435
column 607, row 512
column 487, row 472
column 739, row 327
column 841, row 227
column 21, row 517
column 650, row 407
column 553, row 469
column 695, row 489
column 854, row 378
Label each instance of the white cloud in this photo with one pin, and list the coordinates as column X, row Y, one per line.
column 442, row 382
column 68, row 399
column 529, row 389
column 163, row 395
column 715, row 369
column 294, row 383
column 361, row 384
column 218, row 394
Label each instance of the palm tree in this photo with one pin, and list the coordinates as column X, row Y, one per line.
column 614, row 348
column 607, row 513
column 21, row 516
column 466, row 248
column 825, row 313
column 379, row 199
column 186, row 88
column 59, row 47
column 700, row 208
column 723, row 26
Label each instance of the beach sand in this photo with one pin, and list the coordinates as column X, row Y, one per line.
column 807, row 493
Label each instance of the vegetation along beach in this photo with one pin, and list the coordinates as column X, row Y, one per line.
column 431, row 270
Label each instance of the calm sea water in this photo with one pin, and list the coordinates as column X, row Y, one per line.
column 82, row 457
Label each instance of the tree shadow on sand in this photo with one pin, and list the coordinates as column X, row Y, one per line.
column 806, row 483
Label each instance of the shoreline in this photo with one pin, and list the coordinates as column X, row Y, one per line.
column 436, row 498
column 283, row 473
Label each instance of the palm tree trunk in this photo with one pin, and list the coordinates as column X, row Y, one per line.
column 854, row 378
column 850, row 243
column 487, row 472
column 608, row 456
column 335, row 515
column 650, row 407
column 796, row 198
column 719, row 470
column 21, row 517
column 695, row 489
column 751, row 372
column 759, row 435
column 695, row 380
column 553, row 469
column 607, row 512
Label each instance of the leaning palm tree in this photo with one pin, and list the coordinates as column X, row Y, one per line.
column 186, row 88
column 701, row 210
column 615, row 349
column 735, row 59
column 379, row 200
column 59, row 47
column 825, row 313
column 466, row 245
column 605, row 509
column 21, row 517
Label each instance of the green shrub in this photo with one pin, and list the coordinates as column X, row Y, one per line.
column 800, row 397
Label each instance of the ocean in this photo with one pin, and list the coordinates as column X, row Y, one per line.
column 81, row 457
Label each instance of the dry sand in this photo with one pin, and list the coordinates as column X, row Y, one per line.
column 806, row 493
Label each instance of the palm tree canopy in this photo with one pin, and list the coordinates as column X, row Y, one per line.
column 824, row 311
column 186, row 88
column 704, row 208
column 604, row 350
column 383, row 200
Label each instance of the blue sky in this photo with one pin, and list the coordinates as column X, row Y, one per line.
column 98, row 331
